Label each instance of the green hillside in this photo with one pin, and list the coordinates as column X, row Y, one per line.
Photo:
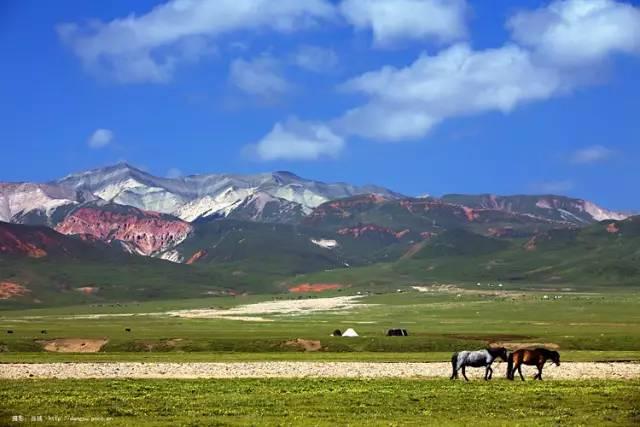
column 606, row 254
column 275, row 248
column 237, row 257
column 429, row 215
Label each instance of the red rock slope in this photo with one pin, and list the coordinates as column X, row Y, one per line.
column 144, row 232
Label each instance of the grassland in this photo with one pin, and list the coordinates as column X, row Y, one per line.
column 585, row 326
column 322, row 402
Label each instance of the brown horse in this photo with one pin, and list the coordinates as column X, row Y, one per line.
column 536, row 357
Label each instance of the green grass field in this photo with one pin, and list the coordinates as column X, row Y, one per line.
column 321, row 402
column 587, row 326
column 603, row 326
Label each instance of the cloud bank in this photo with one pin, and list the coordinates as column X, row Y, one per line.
column 148, row 48
column 539, row 63
column 550, row 51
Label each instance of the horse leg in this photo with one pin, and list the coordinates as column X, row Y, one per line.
column 464, row 374
column 540, row 372
column 488, row 373
column 454, row 375
column 520, row 372
column 454, row 366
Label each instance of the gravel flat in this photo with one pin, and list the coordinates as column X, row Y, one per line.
column 598, row 370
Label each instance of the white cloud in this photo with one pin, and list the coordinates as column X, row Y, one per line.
column 261, row 77
column 593, row 154
column 174, row 173
column 298, row 140
column 392, row 21
column 147, row 48
column 578, row 32
column 100, row 138
column 315, row 58
column 553, row 187
column 406, row 103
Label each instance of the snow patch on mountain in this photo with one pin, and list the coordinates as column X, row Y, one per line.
column 222, row 204
column 325, row 243
column 298, row 194
column 150, row 199
column 19, row 199
column 543, row 204
column 111, row 191
column 570, row 217
column 263, row 207
column 260, row 201
column 600, row 214
column 173, row 256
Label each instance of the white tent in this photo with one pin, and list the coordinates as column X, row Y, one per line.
column 350, row 333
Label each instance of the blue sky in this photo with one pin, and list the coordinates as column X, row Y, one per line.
column 421, row 96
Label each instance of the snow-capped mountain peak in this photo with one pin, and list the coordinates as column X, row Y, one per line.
column 195, row 196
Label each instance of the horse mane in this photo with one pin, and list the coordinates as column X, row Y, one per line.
column 494, row 351
column 550, row 354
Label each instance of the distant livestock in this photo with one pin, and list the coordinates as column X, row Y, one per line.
column 127, row 329
column 44, row 331
column 9, row 331
column 397, row 333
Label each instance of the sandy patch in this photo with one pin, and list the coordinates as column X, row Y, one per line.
column 251, row 312
column 155, row 345
column 73, row 345
column 315, row 287
column 414, row 249
column 445, row 288
column 567, row 371
column 10, row 290
column 197, row 256
column 612, row 228
column 103, row 315
column 87, row 290
column 302, row 344
column 282, row 308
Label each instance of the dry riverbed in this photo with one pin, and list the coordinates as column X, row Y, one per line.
column 599, row 370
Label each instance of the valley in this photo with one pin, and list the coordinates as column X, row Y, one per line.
column 119, row 234
column 115, row 284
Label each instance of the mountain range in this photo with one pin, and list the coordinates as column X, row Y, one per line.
column 255, row 232
column 278, row 196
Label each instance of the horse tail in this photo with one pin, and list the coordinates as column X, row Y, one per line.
column 454, row 362
column 509, row 366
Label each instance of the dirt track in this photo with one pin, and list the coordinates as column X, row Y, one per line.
column 301, row 370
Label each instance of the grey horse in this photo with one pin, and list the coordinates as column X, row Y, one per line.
column 476, row 359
